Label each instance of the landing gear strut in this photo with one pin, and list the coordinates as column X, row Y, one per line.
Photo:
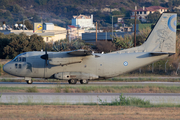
column 72, row 81
column 84, row 81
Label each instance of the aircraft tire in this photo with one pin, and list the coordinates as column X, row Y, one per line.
column 29, row 81
column 84, row 81
column 72, row 81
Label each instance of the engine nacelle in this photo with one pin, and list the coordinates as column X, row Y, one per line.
column 63, row 59
column 75, row 75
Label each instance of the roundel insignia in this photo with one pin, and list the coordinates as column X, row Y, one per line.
column 125, row 63
column 172, row 23
column 39, row 27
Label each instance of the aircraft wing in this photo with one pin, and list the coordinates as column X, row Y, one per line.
column 80, row 52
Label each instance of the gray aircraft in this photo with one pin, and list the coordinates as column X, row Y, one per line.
column 83, row 65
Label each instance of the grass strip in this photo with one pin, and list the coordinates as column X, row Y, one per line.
column 118, row 89
column 95, row 89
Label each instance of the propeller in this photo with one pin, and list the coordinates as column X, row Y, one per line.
column 45, row 56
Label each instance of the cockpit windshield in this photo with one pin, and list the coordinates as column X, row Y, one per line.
column 20, row 58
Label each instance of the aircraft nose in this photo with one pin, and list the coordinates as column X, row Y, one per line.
column 6, row 68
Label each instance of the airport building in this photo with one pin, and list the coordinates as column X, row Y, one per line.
column 83, row 21
column 48, row 31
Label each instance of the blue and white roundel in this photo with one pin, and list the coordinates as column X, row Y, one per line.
column 172, row 23
column 125, row 63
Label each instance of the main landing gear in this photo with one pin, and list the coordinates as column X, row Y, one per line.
column 74, row 81
column 84, row 81
column 28, row 80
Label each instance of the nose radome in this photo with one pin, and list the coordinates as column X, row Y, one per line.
column 5, row 68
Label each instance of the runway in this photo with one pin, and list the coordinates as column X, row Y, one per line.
column 91, row 83
column 74, row 98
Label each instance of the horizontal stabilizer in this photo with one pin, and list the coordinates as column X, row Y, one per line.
column 80, row 52
column 160, row 53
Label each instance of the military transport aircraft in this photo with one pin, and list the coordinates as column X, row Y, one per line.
column 82, row 65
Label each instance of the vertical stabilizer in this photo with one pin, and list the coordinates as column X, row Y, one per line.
column 163, row 36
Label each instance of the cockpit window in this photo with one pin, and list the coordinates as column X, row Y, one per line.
column 23, row 59
column 16, row 60
column 20, row 59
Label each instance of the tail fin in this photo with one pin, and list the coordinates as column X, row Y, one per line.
column 163, row 37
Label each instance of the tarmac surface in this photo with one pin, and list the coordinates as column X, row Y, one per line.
column 53, row 84
column 74, row 98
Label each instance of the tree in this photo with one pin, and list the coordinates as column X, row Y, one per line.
column 105, row 46
column 123, row 43
column 130, row 22
column 152, row 18
column 4, row 41
column 142, row 36
column 22, row 43
column 41, row 2
column 155, row 3
column 36, row 43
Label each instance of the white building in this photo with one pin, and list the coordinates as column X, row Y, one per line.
column 145, row 11
column 83, row 22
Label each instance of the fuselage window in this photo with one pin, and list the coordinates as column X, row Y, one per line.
column 19, row 66
column 16, row 66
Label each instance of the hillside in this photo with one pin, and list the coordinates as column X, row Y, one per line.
column 60, row 12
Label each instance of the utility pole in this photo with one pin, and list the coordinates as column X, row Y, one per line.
column 112, row 28
column 135, row 27
column 67, row 36
column 96, row 32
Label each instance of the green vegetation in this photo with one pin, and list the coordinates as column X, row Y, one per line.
column 144, row 26
column 32, row 89
column 152, row 18
column 13, row 11
column 97, row 89
column 67, row 89
column 58, row 88
column 126, row 101
column 121, row 101
column 11, row 45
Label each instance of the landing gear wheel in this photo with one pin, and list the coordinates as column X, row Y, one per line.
column 72, row 81
column 84, row 81
column 29, row 81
